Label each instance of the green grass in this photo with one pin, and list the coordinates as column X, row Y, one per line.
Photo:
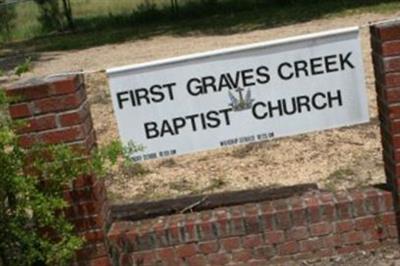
column 106, row 21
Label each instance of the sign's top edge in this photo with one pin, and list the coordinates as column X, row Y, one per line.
column 234, row 49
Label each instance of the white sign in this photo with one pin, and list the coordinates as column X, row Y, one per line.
column 241, row 95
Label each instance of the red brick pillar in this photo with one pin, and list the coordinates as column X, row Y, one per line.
column 57, row 111
column 385, row 40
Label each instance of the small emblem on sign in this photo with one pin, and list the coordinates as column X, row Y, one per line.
column 241, row 103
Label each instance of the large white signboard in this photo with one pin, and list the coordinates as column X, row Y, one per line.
column 240, row 95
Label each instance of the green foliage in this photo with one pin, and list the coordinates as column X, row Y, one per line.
column 53, row 17
column 7, row 16
column 33, row 229
column 24, row 67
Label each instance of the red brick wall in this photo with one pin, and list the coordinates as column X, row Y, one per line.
column 385, row 40
column 318, row 224
column 57, row 111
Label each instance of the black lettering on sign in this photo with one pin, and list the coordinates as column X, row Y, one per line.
column 142, row 96
column 227, row 81
column 174, row 126
column 297, row 105
column 315, row 66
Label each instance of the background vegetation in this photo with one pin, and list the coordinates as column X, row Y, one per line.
column 126, row 19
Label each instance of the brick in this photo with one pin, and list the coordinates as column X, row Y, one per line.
column 390, row 48
column 392, row 80
column 297, row 233
column 299, row 217
column 374, row 234
column 311, row 245
column 264, row 252
column 104, row 261
column 21, row 110
column 387, row 218
column 237, row 226
column 251, row 224
column 288, row 248
column 92, row 251
column 257, row 262
column 206, row 231
column 208, row 247
column 386, row 201
column 332, row 241
column 365, row 223
column 358, row 200
column 343, row 208
column 372, row 202
column 328, row 212
column 144, row 258
column 230, row 244
column 274, row 237
column 198, row 260
column 347, row 249
column 165, row 254
column 283, row 220
column 268, row 221
column 242, row 255
column 324, row 253
column 60, row 103
column 353, row 237
column 321, row 229
column 392, row 231
column 185, row 251
column 86, row 145
column 392, row 64
column 388, row 32
column 74, row 117
column 94, row 236
column 89, row 223
column 27, row 141
column 218, row 259
column 28, row 90
column 66, row 135
column 313, row 209
column 65, row 84
column 344, row 226
column 252, row 241
column 38, row 124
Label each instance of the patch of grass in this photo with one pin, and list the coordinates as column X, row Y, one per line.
column 167, row 163
column 337, row 178
column 131, row 169
column 23, row 67
column 101, row 22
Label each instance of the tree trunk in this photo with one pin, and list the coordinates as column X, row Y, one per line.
column 68, row 14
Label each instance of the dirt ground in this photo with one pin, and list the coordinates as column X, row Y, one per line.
column 385, row 256
column 334, row 159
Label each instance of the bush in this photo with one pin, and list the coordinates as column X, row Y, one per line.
column 33, row 229
column 53, row 17
column 7, row 15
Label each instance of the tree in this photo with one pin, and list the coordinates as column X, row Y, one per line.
column 7, row 15
column 53, row 18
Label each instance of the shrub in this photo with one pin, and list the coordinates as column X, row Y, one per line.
column 33, row 229
column 7, row 15
column 53, row 17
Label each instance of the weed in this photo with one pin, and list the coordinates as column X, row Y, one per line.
column 167, row 163
column 131, row 169
column 24, row 67
column 337, row 178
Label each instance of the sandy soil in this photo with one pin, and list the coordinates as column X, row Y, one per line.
column 335, row 159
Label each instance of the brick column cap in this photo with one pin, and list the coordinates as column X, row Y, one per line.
column 42, row 87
